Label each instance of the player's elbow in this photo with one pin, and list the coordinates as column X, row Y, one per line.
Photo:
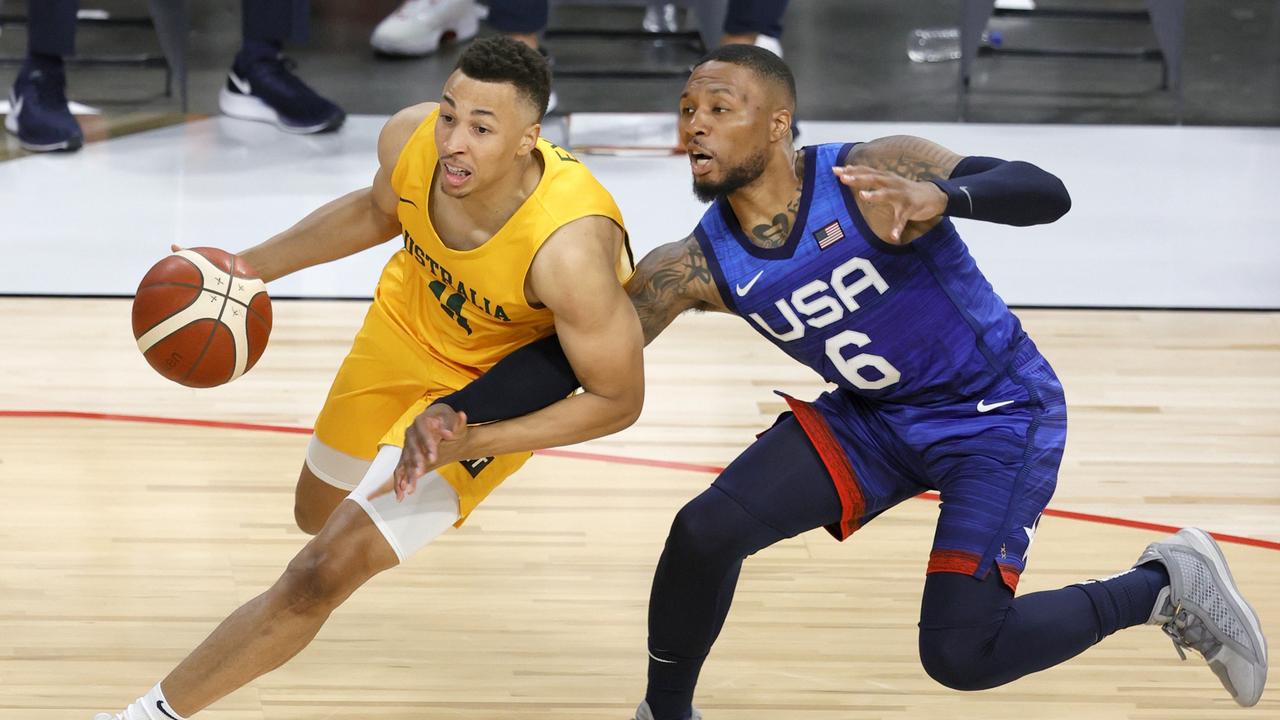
column 1051, row 199
column 627, row 410
column 1059, row 199
column 624, row 408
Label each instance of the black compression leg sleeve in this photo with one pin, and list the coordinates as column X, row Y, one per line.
column 777, row 488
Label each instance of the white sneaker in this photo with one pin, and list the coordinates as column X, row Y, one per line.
column 418, row 26
column 660, row 17
column 1202, row 609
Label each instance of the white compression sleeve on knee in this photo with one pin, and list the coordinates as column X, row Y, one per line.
column 420, row 518
column 335, row 467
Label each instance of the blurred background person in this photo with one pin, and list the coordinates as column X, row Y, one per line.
column 418, row 27
column 260, row 86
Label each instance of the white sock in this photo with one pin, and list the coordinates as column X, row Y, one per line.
column 152, row 706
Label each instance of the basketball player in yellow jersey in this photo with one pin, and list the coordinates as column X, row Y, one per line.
column 507, row 238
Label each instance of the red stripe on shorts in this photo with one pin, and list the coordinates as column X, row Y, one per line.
column 966, row 563
column 837, row 463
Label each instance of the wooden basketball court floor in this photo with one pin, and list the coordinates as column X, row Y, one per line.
column 137, row 514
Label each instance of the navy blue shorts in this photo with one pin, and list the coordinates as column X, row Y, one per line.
column 993, row 459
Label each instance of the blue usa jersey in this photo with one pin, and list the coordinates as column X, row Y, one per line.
column 913, row 324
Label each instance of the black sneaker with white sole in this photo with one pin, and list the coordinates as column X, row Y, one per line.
column 39, row 114
column 266, row 90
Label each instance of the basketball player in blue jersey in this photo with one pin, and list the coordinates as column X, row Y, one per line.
column 843, row 257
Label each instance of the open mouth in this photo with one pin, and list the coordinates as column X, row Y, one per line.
column 455, row 175
column 699, row 160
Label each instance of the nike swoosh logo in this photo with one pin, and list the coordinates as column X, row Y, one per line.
column 655, row 657
column 743, row 290
column 241, row 85
column 17, row 106
column 984, row 407
column 160, row 707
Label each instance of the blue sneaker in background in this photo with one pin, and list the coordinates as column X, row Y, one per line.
column 264, row 88
column 38, row 112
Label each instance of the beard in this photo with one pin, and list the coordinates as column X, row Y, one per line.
column 735, row 178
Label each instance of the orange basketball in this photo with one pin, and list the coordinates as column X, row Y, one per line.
column 201, row 317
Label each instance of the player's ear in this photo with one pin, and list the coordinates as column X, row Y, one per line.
column 529, row 139
column 780, row 125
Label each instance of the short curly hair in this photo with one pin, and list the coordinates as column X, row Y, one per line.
column 498, row 58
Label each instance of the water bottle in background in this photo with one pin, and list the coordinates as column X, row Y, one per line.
column 926, row 45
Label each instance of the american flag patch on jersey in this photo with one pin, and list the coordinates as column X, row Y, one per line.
column 829, row 235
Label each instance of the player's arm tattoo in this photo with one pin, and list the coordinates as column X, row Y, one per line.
column 910, row 157
column 670, row 280
column 775, row 234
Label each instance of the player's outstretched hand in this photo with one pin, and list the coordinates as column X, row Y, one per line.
column 431, row 441
column 910, row 199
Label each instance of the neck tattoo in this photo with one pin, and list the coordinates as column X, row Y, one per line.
column 775, row 233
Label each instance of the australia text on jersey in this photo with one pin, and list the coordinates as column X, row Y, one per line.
column 459, row 293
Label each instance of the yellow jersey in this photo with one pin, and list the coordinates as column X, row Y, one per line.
column 468, row 308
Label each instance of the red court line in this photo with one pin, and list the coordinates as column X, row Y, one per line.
column 578, row 455
column 77, row 415
column 624, row 460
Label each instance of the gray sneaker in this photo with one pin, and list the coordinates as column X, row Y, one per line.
column 644, row 713
column 1202, row 609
